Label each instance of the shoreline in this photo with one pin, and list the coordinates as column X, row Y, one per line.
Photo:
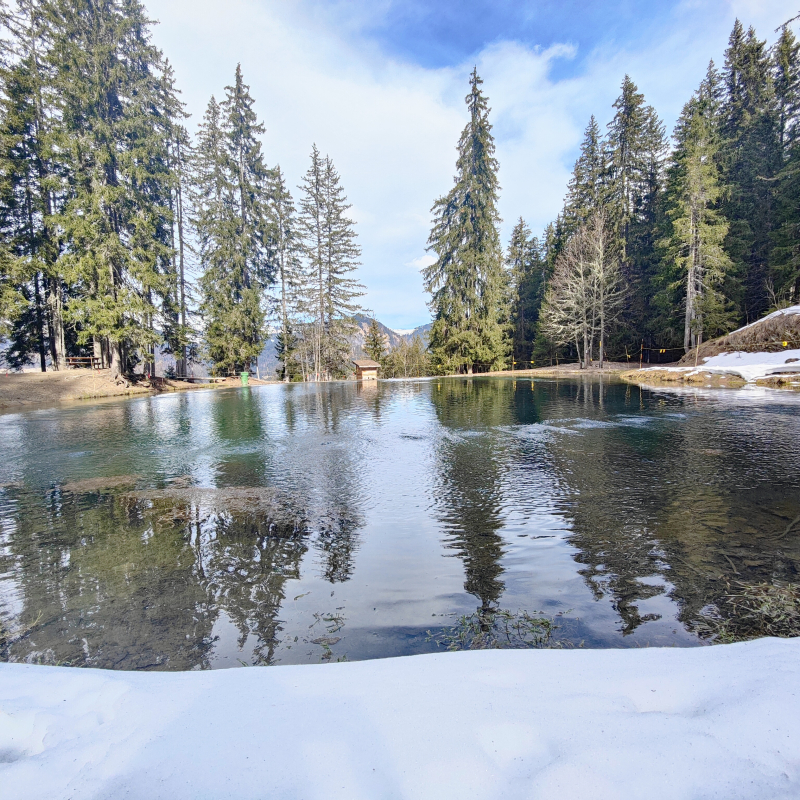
column 699, row 378
column 31, row 391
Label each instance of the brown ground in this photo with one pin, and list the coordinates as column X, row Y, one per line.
column 20, row 391
column 563, row 370
column 766, row 336
column 707, row 379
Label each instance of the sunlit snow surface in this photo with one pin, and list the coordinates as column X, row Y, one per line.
column 712, row 722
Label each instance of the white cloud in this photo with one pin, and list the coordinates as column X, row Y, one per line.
column 391, row 127
column 421, row 262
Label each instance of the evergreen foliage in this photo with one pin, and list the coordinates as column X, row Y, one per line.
column 286, row 255
column 232, row 191
column 466, row 282
column 331, row 253
column 526, row 284
column 107, row 81
column 750, row 159
column 108, row 206
column 696, row 229
column 375, row 342
column 635, row 151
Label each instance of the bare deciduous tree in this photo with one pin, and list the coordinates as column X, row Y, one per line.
column 584, row 297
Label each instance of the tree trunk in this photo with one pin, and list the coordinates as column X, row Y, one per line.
column 40, row 323
column 601, row 354
column 585, row 360
column 115, row 349
column 56, row 308
column 97, row 350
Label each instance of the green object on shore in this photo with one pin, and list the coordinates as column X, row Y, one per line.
column 245, row 376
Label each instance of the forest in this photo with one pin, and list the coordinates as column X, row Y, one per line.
column 124, row 234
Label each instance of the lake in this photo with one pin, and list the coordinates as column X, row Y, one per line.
column 302, row 523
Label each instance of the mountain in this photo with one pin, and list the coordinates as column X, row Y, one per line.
column 392, row 338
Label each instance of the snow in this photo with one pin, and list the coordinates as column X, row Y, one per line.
column 749, row 366
column 708, row 722
column 403, row 332
column 752, row 366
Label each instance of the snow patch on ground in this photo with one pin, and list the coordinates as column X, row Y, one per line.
column 749, row 366
column 710, row 722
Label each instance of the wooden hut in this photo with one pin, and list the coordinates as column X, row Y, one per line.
column 366, row 369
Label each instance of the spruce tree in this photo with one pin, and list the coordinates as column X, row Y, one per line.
column 375, row 342
column 466, row 281
column 750, row 156
column 586, row 186
column 526, row 284
column 635, row 151
column 697, row 229
column 785, row 256
column 331, row 251
column 231, row 218
column 107, row 77
column 28, row 181
column 285, row 244
column 178, row 334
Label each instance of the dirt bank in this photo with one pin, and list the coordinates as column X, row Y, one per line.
column 690, row 377
column 20, row 391
column 562, row 370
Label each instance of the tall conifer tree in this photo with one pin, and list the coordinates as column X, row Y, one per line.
column 697, row 229
column 750, row 159
column 785, row 261
column 232, row 186
column 30, row 181
column 117, row 220
column 526, row 286
column 332, row 253
column 635, row 151
column 466, row 281
column 586, row 186
column 285, row 245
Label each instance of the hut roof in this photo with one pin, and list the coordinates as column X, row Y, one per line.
column 366, row 363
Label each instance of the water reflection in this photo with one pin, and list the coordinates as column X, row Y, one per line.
column 205, row 529
column 467, row 495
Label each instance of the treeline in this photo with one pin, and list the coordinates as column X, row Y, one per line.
column 107, row 201
column 659, row 245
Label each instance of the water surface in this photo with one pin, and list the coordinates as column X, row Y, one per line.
column 293, row 524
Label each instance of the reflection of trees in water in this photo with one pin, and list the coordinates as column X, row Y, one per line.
column 243, row 568
column 696, row 502
column 328, row 472
column 237, row 422
column 468, row 494
column 128, row 583
column 111, row 590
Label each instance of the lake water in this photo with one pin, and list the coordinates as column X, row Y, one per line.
column 300, row 523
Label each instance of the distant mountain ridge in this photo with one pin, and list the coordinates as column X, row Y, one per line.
column 268, row 360
column 393, row 338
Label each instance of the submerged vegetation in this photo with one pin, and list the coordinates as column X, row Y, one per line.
column 497, row 629
column 750, row 611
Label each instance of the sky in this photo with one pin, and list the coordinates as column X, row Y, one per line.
column 379, row 86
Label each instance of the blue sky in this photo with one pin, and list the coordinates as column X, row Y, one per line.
column 379, row 86
column 441, row 34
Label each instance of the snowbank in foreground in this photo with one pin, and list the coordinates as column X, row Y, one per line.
column 711, row 722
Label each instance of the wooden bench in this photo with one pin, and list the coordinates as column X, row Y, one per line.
column 92, row 362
